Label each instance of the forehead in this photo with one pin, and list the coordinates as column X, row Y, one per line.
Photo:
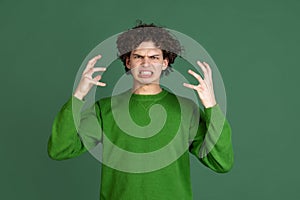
column 147, row 48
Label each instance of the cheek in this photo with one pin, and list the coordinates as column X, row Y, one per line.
column 160, row 67
column 133, row 64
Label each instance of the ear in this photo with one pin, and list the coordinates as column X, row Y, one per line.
column 165, row 64
column 128, row 63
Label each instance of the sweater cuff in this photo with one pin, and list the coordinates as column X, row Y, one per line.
column 72, row 103
column 213, row 112
column 74, row 106
column 77, row 104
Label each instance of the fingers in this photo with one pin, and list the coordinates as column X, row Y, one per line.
column 95, row 81
column 205, row 82
column 205, row 68
column 197, row 76
column 91, row 63
column 198, row 88
column 91, row 71
column 205, row 87
column 194, row 87
column 97, row 78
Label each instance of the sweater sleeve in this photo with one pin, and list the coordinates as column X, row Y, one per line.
column 74, row 131
column 212, row 144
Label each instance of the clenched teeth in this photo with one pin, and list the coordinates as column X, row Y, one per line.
column 146, row 72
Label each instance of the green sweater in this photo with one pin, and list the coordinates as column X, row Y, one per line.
column 138, row 165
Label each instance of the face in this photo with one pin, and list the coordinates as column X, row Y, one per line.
column 146, row 63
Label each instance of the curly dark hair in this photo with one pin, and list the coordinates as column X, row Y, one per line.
column 131, row 39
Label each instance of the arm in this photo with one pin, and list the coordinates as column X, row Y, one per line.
column 64, row 141
column 74, row 131
column 212, row 144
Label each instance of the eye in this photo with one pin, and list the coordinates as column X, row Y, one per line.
column 137, row 56
column 154, row 57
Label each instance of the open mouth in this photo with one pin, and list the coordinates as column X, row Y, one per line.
column 145, row 73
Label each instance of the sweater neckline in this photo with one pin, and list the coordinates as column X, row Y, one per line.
column 148, row 97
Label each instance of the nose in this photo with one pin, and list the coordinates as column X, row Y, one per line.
column 146, row 62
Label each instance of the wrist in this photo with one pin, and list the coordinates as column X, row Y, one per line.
column 210, row 104
column 78, row 95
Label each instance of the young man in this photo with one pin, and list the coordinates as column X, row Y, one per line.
column 147, row 52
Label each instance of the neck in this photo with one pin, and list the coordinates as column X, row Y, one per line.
column 149, row 89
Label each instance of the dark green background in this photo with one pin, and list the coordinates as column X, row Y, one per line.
column 254, row 43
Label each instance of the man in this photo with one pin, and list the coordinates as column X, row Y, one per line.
column 147, row 52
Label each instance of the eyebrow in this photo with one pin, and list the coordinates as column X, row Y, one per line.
column 136, row 54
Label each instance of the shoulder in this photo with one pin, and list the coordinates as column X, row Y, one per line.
column 188, row 107
column 187, row 102
column 107, row 101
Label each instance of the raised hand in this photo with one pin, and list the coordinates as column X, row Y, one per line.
column 205, row 88
column 87, row 81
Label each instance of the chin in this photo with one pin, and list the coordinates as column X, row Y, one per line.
column 146, row 82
